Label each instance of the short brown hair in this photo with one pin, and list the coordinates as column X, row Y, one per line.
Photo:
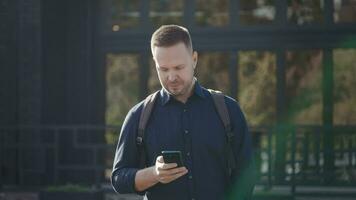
column 169, row 35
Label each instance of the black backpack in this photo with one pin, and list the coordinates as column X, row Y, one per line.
column 221, row 108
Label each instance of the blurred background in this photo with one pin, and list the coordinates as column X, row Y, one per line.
column 71, row 70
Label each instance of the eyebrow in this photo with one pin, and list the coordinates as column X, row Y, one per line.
column 173, row 66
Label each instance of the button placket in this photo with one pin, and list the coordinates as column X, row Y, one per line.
column 186, row 124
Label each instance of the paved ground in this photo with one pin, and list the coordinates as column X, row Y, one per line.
column 34, row 196
column 303, row 193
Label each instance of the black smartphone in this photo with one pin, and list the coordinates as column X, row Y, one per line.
column 173, row 157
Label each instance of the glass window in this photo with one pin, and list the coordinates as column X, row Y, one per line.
column 257, row 86
column 122, row 86
column 213, row 71
column 344, row 11
column 303, row 86
column 305, row 11
column 212, row 13
column 344, row 86
column 166, row 12
column 122, row 14
column 257, row 12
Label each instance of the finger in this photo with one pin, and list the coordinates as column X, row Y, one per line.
column 170, row 172
column 168, row 179
column 160, row 159
column 169, row 165
column 176, row 170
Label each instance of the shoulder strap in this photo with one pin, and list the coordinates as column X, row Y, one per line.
column 144, row 117
column 219, row 101
column 220, row 105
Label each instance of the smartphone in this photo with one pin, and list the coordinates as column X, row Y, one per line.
column 173, row 157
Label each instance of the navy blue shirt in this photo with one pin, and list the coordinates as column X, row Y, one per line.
column 195, row 129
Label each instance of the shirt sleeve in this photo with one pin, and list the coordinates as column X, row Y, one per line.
column 126, row 161
column 244, row 175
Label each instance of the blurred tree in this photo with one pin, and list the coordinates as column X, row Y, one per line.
column 212, row 13
column 123, row 14
column 254, row 12
column 344, row 11
column 166, row 12
column 303, row 86
column 122, row 88
column 213, row 71
column 153, row 81
column 305, row 11
column 344, row 86
column 257, row 86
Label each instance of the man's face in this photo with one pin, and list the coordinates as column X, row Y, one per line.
column 175, row 68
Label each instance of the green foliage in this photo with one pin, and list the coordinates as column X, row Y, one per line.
column 68, row 188
column 122, row 88
column 344, row 86
column 304, row 87
column 212, row 71
column 257, row 86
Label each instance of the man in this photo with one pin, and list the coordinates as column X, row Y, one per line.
column 183, row 118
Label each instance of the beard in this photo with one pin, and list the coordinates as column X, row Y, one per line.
column 179, row 89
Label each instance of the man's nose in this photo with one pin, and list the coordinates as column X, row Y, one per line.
column 172, row 77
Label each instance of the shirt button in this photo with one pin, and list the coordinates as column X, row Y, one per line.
column 190, row 177
column 193, row 199
column 184, row 110
column 188, row 154
column 186, row 131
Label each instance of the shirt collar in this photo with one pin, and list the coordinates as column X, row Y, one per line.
column 166, row 97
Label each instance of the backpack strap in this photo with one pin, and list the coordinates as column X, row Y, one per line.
column 144, row 117
column 220, row 105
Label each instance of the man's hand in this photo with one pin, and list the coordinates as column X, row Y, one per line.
column 167, row 172
column 160, row 172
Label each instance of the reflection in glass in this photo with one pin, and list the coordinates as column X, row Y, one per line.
column 212, row 12
column 166, row 12
column 213, row 71
column 344, row 86
column 344, row 11
column 303, row 86
column 305, row 11
column 123, row 14
column 122, row 86
column 254, row 12
column 257, row 86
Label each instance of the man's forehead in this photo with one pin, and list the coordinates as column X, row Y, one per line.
column 179, row 45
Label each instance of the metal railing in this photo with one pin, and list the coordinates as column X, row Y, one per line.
column 52, row 155
column 304, row 156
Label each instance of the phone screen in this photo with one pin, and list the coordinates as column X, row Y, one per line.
column 173, row 157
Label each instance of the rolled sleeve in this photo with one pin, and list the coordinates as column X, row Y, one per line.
column 126, row 162
column 123, row 180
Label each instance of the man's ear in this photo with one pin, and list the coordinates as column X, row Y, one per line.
column 195, row 59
